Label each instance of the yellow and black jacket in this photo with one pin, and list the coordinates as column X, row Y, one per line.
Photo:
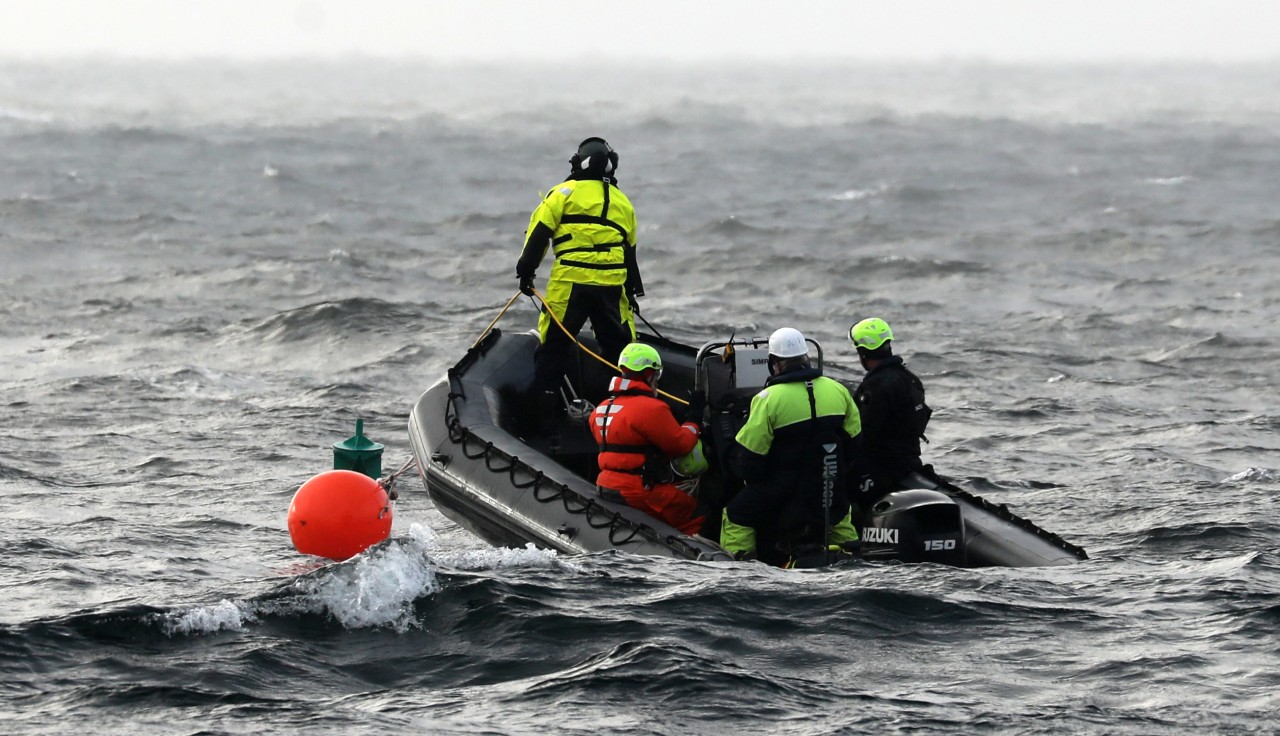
column 801, row 434
column 590, row 226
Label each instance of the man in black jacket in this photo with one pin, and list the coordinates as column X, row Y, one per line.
column 894, row 415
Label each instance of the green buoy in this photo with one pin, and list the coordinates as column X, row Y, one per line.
column 358, row 453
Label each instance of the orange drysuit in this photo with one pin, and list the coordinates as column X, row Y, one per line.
column 636, row 431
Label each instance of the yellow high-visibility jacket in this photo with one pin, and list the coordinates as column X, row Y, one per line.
column 590, row 227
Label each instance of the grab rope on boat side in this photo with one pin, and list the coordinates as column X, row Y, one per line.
column 547, row 490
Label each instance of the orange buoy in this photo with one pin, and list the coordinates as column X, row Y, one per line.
column 339, row 514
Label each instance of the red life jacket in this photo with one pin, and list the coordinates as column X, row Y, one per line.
column 632, row 427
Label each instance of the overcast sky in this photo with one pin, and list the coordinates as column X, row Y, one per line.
column 997, row 30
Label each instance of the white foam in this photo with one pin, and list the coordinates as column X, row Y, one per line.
column 853, row 195
column 223, row 616
column 1169, row 181
column 378, row 587
column 503, row 558
column 1254, row 474
column 488, row 558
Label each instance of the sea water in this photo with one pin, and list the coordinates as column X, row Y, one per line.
column 209, row 271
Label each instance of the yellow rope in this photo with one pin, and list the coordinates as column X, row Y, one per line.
column 587, row 350
column 570, row 335
column 510, row 301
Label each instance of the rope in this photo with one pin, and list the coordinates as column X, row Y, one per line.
column 584, row 348
column 388, row 482
column 546, row 490
column 652, row 329
column 510, row 301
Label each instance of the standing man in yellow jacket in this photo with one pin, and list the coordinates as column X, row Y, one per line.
column 590, row 227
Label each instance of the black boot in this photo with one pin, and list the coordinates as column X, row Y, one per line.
column 549, row 412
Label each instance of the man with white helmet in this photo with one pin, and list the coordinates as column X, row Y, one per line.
column 792, row 452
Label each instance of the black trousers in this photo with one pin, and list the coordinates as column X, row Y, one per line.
column 599, row 304
column 778, row 513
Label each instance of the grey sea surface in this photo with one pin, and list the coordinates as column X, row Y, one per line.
column 209, row 271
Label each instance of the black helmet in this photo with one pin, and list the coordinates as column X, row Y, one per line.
column 595, row 156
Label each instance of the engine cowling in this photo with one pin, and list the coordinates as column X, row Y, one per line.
column 915, row 526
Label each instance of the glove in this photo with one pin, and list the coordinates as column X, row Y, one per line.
column 693, row 427
column 526, row 285
column 635, row 303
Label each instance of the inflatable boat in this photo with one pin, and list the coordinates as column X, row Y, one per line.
column 512, row 478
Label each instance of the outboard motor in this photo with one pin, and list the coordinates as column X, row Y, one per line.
column 915, row 526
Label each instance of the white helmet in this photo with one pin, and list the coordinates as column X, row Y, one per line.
column 787, row 342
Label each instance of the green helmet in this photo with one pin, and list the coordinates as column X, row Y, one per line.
column 693, row 464
column 870, row 333
column 638, row 357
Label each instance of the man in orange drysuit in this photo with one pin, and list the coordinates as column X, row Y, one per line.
column 638, row 438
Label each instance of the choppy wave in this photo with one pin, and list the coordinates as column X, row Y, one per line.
column 379, row 589
column 352, row 316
